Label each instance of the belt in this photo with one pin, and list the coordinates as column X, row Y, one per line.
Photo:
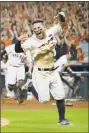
column 47, row 69
column 14, row 66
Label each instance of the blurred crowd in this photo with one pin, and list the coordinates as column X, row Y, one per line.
column 16, row 17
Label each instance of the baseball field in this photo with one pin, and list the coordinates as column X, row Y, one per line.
column 32, row 116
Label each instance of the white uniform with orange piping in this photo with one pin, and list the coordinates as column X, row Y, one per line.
column 45, row 79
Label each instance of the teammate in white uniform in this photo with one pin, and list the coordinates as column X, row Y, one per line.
column 16, row 69
column 41, row 48
column 63, row 63
column 4, row 67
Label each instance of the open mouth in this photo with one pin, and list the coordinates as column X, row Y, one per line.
column 38, row 33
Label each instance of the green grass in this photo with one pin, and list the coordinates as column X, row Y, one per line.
column 44, row 121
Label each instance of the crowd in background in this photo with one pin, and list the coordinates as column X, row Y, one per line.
column 16, row 17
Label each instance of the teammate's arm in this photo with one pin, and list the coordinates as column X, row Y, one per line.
column 18, row 48
column 22, row 45
column 20, row 41
column 3, row 53
column 29, row 62
column 25, row 46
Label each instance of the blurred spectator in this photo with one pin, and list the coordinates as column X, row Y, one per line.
column 79, row 87
column 2, row 47
column 65, row 47
column 81, row 91
column 2, row 76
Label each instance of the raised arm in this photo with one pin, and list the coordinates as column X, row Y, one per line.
column 29, row 62
column 57, row 28
column 25, row 46
column 18, row 48
column 20, row 40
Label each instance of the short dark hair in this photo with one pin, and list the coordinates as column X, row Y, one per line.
column 37, row 21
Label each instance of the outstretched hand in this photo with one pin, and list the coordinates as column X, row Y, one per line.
column 23, row 37
column 60, row 16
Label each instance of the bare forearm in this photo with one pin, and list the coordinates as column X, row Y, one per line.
column 30, row 68
column 29, row 61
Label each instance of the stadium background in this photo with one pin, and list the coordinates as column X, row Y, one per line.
column 16, row 17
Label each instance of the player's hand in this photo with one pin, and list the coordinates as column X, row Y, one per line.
column 46, row 47
column 23, row 37
column 60, row 16
column 69, row 56
column 29, row 75
column 23, row 58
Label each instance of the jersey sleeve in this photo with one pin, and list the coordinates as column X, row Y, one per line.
column 10, row 48
column 61, row 61
column 26, row 45
column 56, row 29
column 29, row 56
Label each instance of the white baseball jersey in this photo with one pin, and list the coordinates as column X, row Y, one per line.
column 60, row 62
column 38, row 48
column 43, row 52
column 15, row 59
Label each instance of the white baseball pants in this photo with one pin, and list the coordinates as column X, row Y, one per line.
column 15, row 74
column 46, row 82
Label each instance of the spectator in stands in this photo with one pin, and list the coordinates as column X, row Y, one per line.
column 2, row 76
column 75, row 11
column 66, row 46
column 2, row 47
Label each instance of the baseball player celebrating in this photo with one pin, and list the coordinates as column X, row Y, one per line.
column 16, row 71
column 41, row 48
column 4, row 67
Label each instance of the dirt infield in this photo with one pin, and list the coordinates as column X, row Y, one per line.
column 33, row 104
